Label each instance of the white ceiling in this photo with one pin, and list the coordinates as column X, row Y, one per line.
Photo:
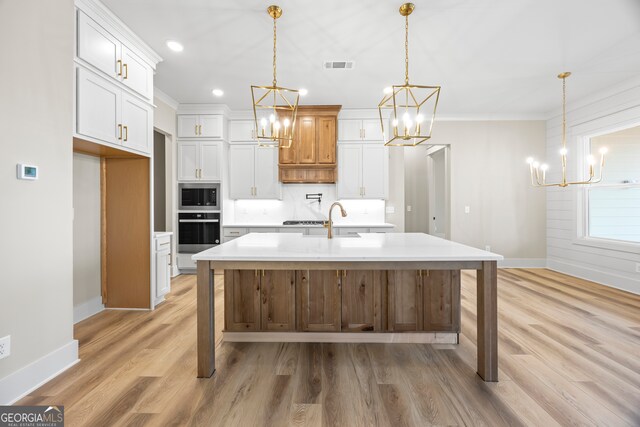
column 492, row 57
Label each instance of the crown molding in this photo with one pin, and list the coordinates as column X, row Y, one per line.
column 204, row 109
column 157, row 93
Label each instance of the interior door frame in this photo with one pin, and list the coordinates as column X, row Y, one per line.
column 431, row 188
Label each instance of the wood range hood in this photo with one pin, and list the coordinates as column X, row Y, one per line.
column 312, row 155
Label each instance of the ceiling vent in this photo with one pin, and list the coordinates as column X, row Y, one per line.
column 339, row 65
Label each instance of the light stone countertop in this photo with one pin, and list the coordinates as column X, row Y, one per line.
column 280, row 225
column 366, row 247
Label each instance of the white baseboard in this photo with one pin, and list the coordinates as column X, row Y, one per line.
column 22, row 382
column 87, row 309
column 523, row 263
column 598, row 276
column 344, row 337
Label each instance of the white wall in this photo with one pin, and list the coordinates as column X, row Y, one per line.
column 36, row 257
column 489, row 175
column 87, row 297
column 612, row 265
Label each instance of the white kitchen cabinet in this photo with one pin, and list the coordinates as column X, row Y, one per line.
column 242, row 131
column 359, row 130
column 200, row 126
column 162, row 277
column 100, row 48
column 199, row 160
column 253, row 173
column 107, row 113
column 362, row 171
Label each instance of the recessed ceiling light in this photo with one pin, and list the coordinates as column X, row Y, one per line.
column 217, row 92
column 303, row 92
column 175, row 46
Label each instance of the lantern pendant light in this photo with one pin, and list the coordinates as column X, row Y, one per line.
column 413, row 107
column 539, row 172
column 274, row 108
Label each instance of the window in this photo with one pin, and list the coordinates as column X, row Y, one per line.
column 613, row 205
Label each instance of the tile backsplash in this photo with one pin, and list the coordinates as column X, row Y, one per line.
column 294, row 206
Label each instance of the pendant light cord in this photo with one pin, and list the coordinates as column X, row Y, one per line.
column 274, row 52
column 564, row 112
column 406, row 50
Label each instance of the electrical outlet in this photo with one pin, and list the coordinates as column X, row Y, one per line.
column 487, row 248
column 409, row 208
column 390, row 209
column 5, row 346
column 467, row 209
column 637, row 267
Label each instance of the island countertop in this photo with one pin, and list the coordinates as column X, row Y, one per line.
column 366, row 247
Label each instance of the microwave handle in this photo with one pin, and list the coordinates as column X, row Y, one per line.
column 198, row 220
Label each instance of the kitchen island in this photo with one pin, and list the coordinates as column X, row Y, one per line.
column 292, row 286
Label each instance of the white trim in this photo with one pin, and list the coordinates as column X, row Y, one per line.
column 344, row 337
column 610, row 244
column 22, row 382
column 523, row 263
column 498, row 117
column 87, row 309
column 157, row 93
column 606, row 279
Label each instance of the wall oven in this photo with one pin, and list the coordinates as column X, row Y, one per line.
column 192, row 197
column 198, row 231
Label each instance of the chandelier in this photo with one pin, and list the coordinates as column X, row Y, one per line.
column 413, row 107
column 274, row 108
column 539, row 171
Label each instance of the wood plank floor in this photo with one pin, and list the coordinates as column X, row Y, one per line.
column 568, row 356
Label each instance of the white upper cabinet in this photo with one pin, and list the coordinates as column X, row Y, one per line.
column 137, row 123
column 363, row 171
column 242, row 131
column 359, row 130
column 200, row 126
column 98, row 108
column 199, row 160
column 253, row 173
column 101, row 49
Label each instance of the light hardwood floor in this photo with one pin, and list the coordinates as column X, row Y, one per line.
column 568, row 356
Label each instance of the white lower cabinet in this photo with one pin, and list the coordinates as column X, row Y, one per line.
column 185, row 262
column 363, row 171
column 253, row 173
column 162, row 277
column 199, row 160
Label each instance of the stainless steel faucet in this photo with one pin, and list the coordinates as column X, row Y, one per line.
column 329, row 224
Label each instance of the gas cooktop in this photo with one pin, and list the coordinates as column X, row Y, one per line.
column 303, row 222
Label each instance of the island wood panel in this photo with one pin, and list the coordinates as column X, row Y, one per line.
column 326, row 140
column 318, row 300
column 278, row 306
column 362, row 300
column 441, row 291
column 242, row 297
column 404, row 295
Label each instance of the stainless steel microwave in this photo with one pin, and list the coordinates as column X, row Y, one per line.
column 198, row 197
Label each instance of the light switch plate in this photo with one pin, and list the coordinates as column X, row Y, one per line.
column 467, row 209
column 5, row 346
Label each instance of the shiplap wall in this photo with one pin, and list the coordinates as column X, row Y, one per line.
column 612, row 265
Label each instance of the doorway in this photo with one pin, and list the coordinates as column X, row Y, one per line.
column 438, row 191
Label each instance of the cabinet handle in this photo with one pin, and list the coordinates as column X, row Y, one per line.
column 119, row 65
column 126, row 132
column 119, row 131
column 364, row 133
column 364, row 191
column 195, row 129
column 126, row 71
column 255, row 191
column 199, row 129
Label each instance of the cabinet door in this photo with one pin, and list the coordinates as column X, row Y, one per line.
column 137, row 121
column 374, row 171
column 306, row 145
column 210, row 126
column 327, row 140
column 350, row 130
column 241, row 300
column 404, row 304
column 266, row 181
column 319, row 300
column 163, row 275
column 187, row 126
column 278, row 308
column 136, row 74
column 362, row 300
column 441, row 290
column 98, row 47
column 241, row 171
column 210, row 161
column 187, row 160
column 350, row 171
column 371, row 130
column 242, row 130
column 98, row 108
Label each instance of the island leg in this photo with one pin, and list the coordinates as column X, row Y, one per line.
column 487, row 320
column 205, row 308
